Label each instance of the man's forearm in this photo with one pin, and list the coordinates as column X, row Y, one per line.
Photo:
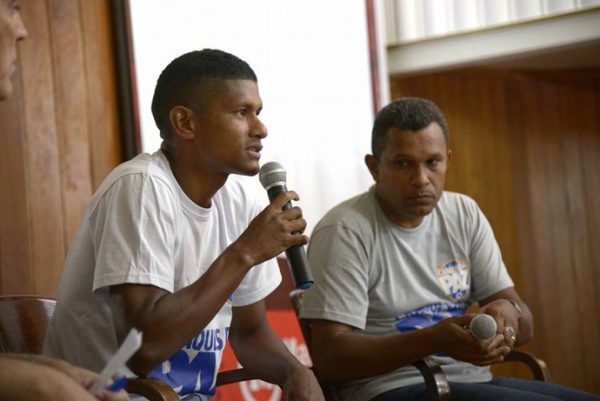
column 354, row 356
column 265, row 355
column 186, row 312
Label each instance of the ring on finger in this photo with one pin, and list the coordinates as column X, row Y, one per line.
column 511, row 333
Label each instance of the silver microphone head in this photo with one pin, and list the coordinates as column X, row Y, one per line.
column 271, row 174
column 483, row 327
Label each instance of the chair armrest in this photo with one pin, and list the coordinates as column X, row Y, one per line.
column 233, row 376
column 538, row 366
column 153, row 390
column 435, row 380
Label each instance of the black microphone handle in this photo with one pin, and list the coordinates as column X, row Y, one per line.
column 299, row 267
column 296, row 255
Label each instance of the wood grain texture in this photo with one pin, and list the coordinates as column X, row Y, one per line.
column 15, row 247
column 59, row 138
column 559, row 141
column 72, row 116
column 527, row 149
column 41, row 148
column 101, row 100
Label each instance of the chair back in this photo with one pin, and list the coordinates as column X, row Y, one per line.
column 23, row 322
column 296, row 298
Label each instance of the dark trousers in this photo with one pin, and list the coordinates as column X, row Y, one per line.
column 499, row 389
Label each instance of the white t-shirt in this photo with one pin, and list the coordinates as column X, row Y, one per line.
column 382, row 279
column 141, row 228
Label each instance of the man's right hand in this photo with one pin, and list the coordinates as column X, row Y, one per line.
column 273, row 231
column 451, row 336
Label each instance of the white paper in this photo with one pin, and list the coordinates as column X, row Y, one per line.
column 132, row 343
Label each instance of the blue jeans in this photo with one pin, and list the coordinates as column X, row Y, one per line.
column 499, row 389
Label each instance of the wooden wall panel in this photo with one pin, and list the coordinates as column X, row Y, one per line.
column 14, row 243
column 41, row 147
column 557, row 135
column 527, row 148
column 70, row 89
column 101, row 87
column 59, row 139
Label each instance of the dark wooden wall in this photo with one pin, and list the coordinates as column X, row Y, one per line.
column 527, row 148
column 59, row 138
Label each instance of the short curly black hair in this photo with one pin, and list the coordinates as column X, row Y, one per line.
column 190, row 77
column 409, row 114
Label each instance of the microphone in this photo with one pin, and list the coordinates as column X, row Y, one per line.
column 483, row 327
column 272, row 176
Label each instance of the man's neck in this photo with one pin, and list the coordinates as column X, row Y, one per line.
column 200, row 186
column 407, row 222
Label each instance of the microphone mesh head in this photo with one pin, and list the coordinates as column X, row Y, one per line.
column 272, row 173
column 483, row 327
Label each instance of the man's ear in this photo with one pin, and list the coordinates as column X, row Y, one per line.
column 373, row 166
column 183, row 122
column 448, row 157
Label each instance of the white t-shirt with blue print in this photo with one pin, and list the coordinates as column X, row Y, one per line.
column 140, row 227
column 381, row 278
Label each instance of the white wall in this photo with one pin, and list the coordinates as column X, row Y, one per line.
column 311, row 59
column 410, row 20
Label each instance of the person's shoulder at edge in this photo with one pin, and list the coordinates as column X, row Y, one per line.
column 457, row 199
column 152, row 164
column 459, row 210
column 351, row 213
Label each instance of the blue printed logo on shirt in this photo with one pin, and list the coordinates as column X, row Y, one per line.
column 428, row 315
column 454, row 277
column 193, row 368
